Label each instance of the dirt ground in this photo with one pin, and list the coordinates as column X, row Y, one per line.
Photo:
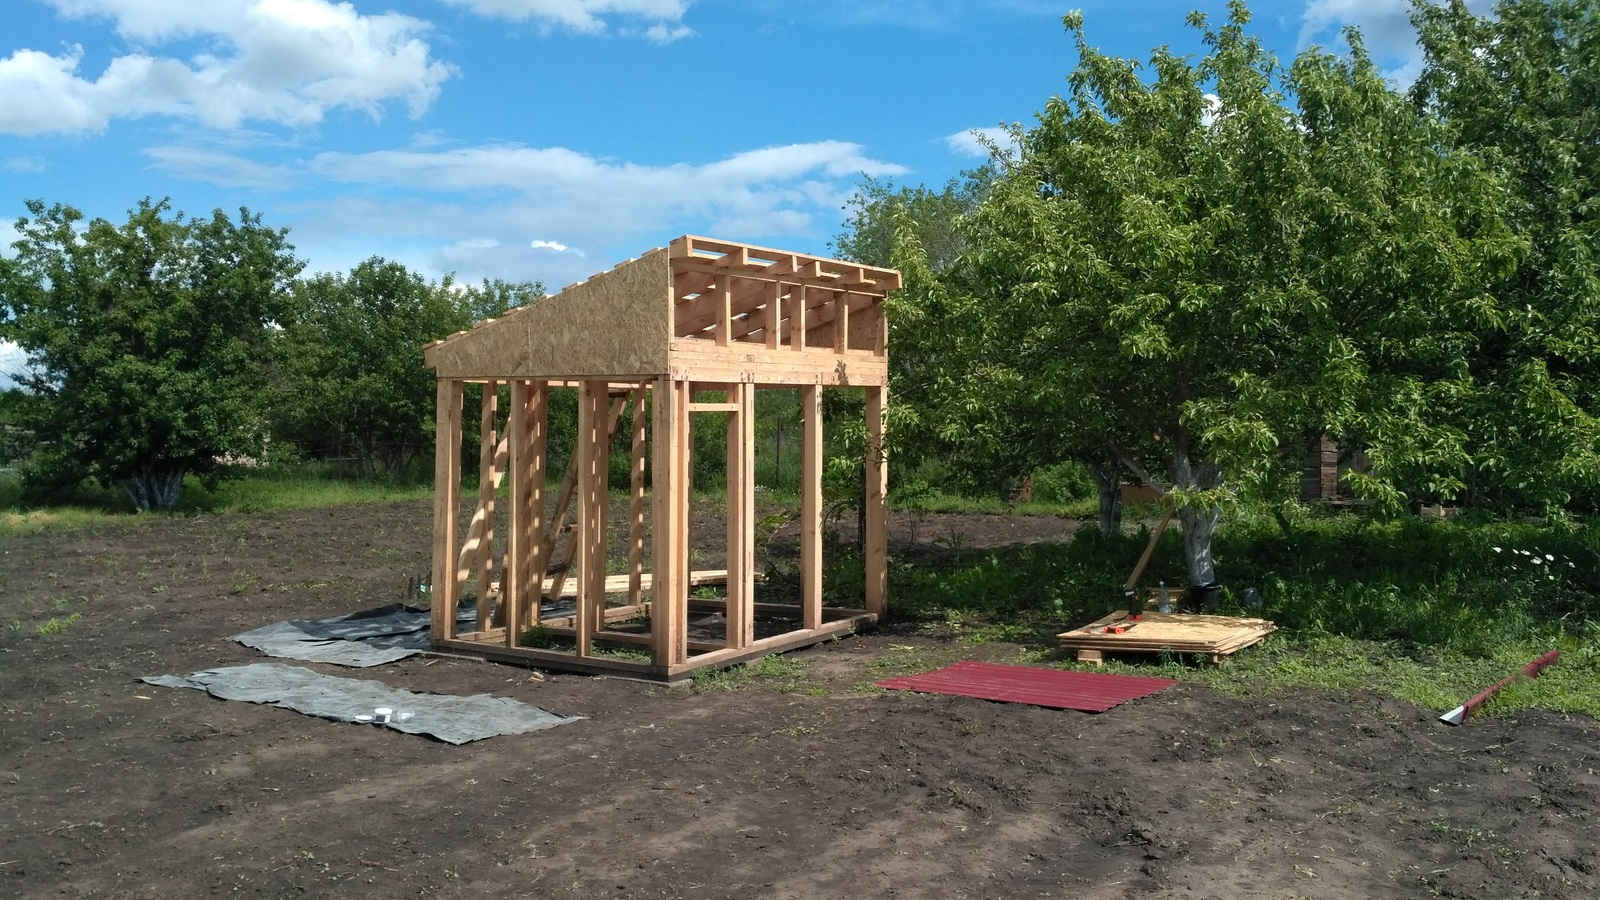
column 803, row 787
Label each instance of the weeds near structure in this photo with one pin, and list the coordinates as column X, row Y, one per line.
column 783, row 674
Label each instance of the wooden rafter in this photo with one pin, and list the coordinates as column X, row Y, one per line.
column 698, row 254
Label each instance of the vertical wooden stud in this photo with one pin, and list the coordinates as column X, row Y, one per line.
column 724, row 309
column 811, row 506
column 590, row 546
column 774, row 313
column 741, row 516
column 569, row 487
column 487, row 482
column 636, row 508
column 797, row 317
column 668, row 591
column 531, row 560
column 876, row 538
column 446, row 508
column 512, row 585
column 523, row 570
column 841, row 321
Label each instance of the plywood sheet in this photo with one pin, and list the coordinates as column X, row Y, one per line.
column 702, row 361
column 618, row 323
column 1171, row 632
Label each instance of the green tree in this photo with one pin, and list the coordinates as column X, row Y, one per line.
column 878, row 204
column 1188, row 286
column 146, row 342
column 1521, row 88
column 351, row 374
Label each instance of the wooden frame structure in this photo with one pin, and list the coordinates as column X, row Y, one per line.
column 639, row 343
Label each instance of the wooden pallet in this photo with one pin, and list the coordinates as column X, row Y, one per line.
column 1212, row 636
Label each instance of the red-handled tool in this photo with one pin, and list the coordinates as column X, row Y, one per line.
column 1459, row 714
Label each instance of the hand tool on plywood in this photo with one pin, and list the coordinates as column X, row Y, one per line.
column 1459, row 714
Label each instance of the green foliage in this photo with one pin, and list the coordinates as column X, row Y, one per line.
column 145, row 340
column 1064, row 482
column 1194, row 267
column 1520, row 89
column 878, row 208
column 353, row 383
column 57, row 625
column 1466, row 587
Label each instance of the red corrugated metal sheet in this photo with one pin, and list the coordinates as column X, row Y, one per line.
column 1088, row 691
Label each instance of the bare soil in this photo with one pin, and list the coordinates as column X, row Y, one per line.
column 801, row 787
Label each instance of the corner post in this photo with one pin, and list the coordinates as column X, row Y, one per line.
column 668, row 591
column 876, row 538
column 446, row 509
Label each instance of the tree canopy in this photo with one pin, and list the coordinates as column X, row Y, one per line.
column 145, row 341
column 1197, row 271
column 351, row 377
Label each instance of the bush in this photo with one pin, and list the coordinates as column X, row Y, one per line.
column 1063, row 482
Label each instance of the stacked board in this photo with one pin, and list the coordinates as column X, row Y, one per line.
column 1212, row 636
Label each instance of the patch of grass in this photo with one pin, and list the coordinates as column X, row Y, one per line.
column 303, row 486
column 1438, row 680
column 1427, row 611
column 57, row 624
column 940, row 502
column 781, row 673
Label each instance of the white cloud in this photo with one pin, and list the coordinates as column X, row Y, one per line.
column 219, row 168
column 666, row 34
column 558, row 172
column 25, row 164
column 444, row 205
column 975, row 141
column 555, row 246
column 283, row 61
column 589, row 16
column 1385, row 28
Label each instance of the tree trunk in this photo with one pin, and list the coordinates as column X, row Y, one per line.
column 154, row 488
column 1107, row 475
column 1198, row 524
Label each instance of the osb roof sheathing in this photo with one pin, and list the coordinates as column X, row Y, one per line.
column 621, row 323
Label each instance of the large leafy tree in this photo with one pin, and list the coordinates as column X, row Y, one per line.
column 1521, row 88
column 352, row 381
column 145, row 341
column 1192, row 284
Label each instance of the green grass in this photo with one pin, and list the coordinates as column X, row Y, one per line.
column 57, row 625
column 1434, row 678
column 303, row 487
column 783, row 674
column 954, row 503
column 1427, row 611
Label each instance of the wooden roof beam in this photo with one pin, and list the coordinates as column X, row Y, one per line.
column 700, row 313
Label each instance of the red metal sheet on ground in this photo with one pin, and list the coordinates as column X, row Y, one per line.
column 1087, row 691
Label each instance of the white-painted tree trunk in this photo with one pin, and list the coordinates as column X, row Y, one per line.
column 1199, row 524
column 154, row 489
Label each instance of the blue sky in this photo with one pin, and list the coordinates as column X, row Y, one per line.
column 548, row 139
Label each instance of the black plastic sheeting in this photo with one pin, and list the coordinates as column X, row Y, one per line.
column 368, row 638
column 454, row 720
